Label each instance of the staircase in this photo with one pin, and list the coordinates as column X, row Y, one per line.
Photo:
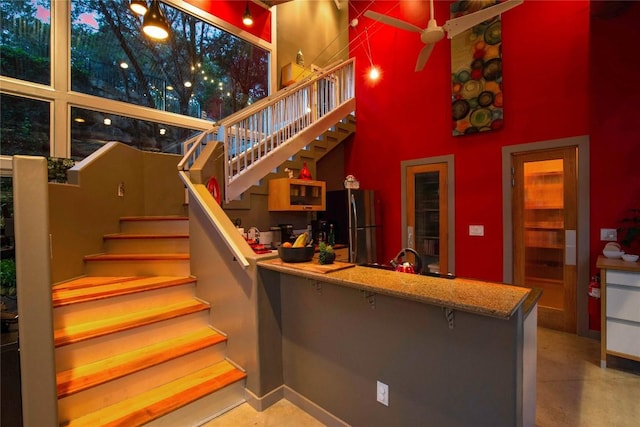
column 262, row 137
column 311, row 154
column 133, row 344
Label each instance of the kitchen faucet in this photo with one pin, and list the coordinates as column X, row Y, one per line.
column 256, row 235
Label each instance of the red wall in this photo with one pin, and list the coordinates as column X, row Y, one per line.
column 232, row 12
column 557, row 83
column 615, row 130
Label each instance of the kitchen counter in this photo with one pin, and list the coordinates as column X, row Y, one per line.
column 478, row 297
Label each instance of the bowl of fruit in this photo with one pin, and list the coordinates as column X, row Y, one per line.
column 299, row 251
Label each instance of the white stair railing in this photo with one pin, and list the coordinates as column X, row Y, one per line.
column 263, row 130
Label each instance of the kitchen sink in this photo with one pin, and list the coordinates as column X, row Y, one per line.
column 379, row 266
column 424, row 273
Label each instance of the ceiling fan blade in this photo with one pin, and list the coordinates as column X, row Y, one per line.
column 455, row 26
column 394, row 22
column 424, row 56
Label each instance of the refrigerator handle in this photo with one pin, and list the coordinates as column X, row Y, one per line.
column 354, row 232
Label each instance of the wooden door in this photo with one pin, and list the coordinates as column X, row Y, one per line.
column 545, row 231
column 427, row 213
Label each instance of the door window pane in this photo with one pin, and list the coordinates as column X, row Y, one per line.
column 26, row 35
column 544, row 229
column 24, row 126
column 201, row 71
column 427, row 215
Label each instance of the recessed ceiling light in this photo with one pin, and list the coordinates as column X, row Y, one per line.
column 187, row 84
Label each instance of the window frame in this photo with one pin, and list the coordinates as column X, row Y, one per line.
column 62, row 98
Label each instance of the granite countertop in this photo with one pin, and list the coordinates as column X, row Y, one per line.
column 485, row 298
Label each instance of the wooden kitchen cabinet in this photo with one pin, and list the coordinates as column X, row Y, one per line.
column 290, row 194
column 620, row 309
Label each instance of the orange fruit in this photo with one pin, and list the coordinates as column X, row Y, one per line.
column 287, row 245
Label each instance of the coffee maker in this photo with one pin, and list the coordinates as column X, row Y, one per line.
column 319, row 230
column 286, row 233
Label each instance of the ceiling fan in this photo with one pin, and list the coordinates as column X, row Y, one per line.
column 434, row 33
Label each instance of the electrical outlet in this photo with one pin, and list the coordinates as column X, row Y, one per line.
column 608, row 234
column 121, row 189
column 382, row 394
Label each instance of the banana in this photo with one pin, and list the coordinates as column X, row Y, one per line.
column 301, row 240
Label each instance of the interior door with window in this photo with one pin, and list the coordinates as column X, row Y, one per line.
column 544, row 231
column 427, row 215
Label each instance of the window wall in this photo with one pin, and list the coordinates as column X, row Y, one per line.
column 86, row 66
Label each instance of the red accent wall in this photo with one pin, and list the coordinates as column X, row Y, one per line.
column 613, row 118
column 232, row 11
column 564, row 74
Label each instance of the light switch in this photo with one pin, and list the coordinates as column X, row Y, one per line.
column 476, row 230
column 608, row 234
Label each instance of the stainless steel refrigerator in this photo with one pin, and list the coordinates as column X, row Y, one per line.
column 355, row 215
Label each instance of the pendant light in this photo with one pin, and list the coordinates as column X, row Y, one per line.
column 155, row 24
column 247, row 19
column 139, row 7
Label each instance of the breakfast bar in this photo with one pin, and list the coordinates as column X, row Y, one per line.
column 450, row 351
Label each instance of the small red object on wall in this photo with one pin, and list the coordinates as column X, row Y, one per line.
column 304, row 172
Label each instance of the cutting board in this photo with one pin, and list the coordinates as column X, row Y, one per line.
column 312, row 266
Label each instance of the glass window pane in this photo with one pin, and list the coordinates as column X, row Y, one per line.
column 26, row 35
column 24, row 126
column 201, row 71
column 544, row 229
column 90, row 130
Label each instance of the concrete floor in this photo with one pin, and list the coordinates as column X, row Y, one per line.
column 572, row 390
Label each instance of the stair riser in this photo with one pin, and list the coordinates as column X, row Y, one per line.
column 121, row 305
column 201, row 410
column 146, row 246
column 109, row 393
column 155, row 227
column 138, row 268
column 88, row 351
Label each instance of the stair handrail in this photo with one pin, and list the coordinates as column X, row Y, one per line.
column 193, row 146
column 267, row 100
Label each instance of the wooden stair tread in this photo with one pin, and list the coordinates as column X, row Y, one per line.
column 84, row 292
column 155, row 218
column 155, row 403
column 125, row 236
column 89, row 281
column 137, row 257
column 84, row 331
column 99, row 372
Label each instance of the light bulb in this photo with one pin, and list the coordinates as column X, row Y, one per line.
column 374, row 73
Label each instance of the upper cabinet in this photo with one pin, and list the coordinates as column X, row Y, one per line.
column 290, row 194
column 293, row 72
